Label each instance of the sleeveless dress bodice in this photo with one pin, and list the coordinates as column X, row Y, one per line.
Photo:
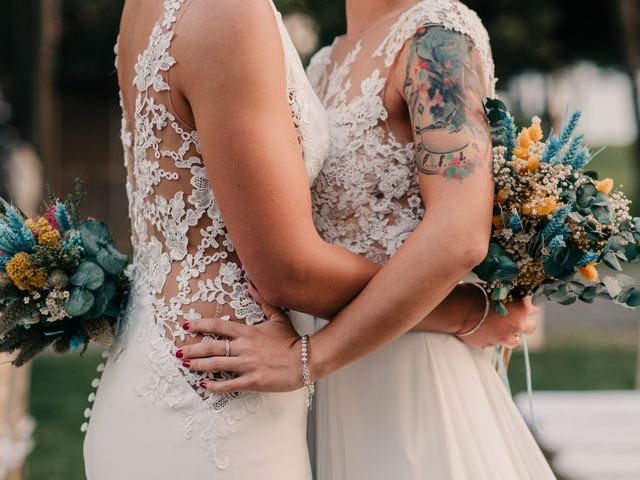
column 367, row 196
column 184, row 263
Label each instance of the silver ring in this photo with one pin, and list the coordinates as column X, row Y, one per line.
column 227, row 347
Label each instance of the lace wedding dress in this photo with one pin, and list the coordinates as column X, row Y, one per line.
column 150, row 419
column 426, row 406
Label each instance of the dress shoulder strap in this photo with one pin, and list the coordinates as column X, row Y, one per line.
column 450, row 14
column 318, row 66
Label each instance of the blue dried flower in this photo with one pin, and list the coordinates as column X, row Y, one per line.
column 570, row 128
column 63, row 218
column 552, row 149
column 510, row 134
column 77, row 341
column 572, row 151
column 515, row 223
column 581, row 158
column 556, row 225
column 556, row 244
column 589, row 257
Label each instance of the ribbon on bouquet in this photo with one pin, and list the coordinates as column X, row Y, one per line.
column 503, row 358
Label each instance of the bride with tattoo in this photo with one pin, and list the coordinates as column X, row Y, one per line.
column 223, row 135
column 407, row 183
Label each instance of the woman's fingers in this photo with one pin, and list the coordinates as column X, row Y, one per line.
column 269, row 310
column 216, row 326
column 216, row 364
column 209, row 348
column 239, row 384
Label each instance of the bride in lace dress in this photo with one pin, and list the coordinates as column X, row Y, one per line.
column 404, row 91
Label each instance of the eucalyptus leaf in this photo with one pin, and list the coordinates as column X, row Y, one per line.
column 612, row 286
column 111, row 259
column 539, row 297
column 501, row 309
column 611, row 261
column 88, row 275
column 95, row 235
column 80, row 302
column 632, row 252
column 625, row 280
column 601, row 214
column 568, row 197
column 634, row 298
column 499, row 294
column 575, row 216
column 585, row 194
column 590, row 293
column 103, row 297
column 570, row 299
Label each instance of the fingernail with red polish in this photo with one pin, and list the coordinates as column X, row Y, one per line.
column 186, row 363
column 179, row 354
column 203, row 384
column 185, row 326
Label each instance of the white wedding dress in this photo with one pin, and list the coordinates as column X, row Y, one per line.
column 426, row 406
column 150, row 419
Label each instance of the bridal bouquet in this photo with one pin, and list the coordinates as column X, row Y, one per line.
column 62, row 282
column 554, row 223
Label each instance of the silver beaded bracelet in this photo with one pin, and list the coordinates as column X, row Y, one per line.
column 487, row 306
column 309, row 386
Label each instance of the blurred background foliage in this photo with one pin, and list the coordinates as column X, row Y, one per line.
column 58, row 92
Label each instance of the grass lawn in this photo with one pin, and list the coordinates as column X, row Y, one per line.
column 61, row 386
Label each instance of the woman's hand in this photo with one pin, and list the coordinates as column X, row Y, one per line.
column 266, row 357
column 506, row 331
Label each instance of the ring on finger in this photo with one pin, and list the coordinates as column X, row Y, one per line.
column 227, row 348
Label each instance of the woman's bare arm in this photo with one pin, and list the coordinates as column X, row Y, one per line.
column 232, row 75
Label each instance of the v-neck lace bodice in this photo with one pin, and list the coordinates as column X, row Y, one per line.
column 367, row 196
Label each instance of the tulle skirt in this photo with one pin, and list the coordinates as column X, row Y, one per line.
column 424, row 407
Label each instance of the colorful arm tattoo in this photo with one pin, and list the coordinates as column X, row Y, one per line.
column 444, row 90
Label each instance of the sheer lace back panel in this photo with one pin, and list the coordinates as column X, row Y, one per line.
column 185, row 264
column 367, row 197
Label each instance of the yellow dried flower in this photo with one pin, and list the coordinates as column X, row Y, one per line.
column 526, row 209
column 24, row 275
column 521, row 152
column 535, row 130
column 546, row 206
column 533, row 163
column 32, row 225
column 502, row 196
column 497, row 221
column 589, row 272
column 605, row 186
column 50, row 238
column 524, row 139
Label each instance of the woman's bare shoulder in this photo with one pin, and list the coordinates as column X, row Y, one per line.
column 220, row 21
